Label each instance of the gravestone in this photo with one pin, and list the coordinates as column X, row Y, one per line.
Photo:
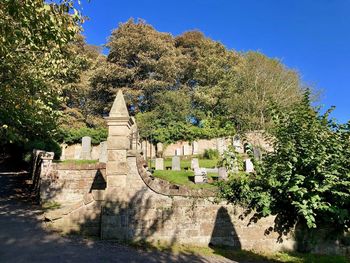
column 186, row 149
column 178, row 151
column 194, row 163
column 257, row 153
column 200, row 176
column 85, row 148
column 175, row 163
column 249, row 167
column 160, row 164
column 103, row 152
column 223, row 173
column 195, row 148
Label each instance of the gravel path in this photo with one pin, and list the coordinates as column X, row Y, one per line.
column 24, row 239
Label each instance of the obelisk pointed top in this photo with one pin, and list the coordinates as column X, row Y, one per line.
column 119, row 108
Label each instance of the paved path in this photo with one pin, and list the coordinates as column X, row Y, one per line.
column 24, row 239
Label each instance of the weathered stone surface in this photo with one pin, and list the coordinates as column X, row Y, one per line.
column 119, row 108
column 194, row 163
column 103, row 152
column 85, row 148
column 249, row 167
column 186, row 149
column 118, row 143
column 175, row 163
column 159, row 164
column 195, row 149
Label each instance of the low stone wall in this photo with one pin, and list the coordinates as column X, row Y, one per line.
column 150, row 210
column 67, row 183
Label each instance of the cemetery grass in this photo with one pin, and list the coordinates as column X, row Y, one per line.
column 205, row 163
column 183, row 178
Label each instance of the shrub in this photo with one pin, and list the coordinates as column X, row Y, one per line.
column 211, row 154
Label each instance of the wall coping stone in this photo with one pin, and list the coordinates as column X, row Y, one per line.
column 75, row 166
column 163, row 187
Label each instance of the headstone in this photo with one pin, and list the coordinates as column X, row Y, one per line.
column 194, row 163
column 103, row 152
column 200, row 176
column 85, row 148
column 249, row 167
column 175, row 163
column 186, row 149
column 178, row 151
column 221, row 145
column 223, row 173
column 195, row 148
column 257, row 153
column 160, row 164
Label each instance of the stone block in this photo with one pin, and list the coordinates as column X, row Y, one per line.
column 118, row 131
column 175, row 163
column 195, row 148
column 118, row 143
column 159, row 164
column 116, row 155
column 103, row 152
column 249, row 167
column 116, row 181
column 194, row 163
column 115, row 167
column 85, row 148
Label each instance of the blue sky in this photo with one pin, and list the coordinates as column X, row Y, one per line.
column 311, row 36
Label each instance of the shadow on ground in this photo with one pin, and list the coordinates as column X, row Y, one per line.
column 23, row 237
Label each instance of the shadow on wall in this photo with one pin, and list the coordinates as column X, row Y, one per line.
column 135, row 220
column 224, row 232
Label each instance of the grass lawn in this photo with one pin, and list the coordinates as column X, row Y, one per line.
column 77, row 161
column 183, row 178
column 205, row 163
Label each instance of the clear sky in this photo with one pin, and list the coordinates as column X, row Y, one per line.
column 311, row 36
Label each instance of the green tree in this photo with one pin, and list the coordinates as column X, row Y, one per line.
column 34, row 63
column 142, row 62
column 306, row 178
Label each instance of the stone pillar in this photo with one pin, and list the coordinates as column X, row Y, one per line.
column 118, row 142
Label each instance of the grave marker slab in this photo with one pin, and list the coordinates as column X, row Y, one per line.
column 103, row 152
column 85, row 148
column 175, row 163
column 159, row 164
column 249, row 167
column 194, row 163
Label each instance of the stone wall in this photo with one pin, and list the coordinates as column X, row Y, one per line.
column 129, row 204
column 68, row 183
column 151, row 210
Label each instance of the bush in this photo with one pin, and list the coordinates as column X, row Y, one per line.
column 71, row 136
column 45, row 145
column 211, row 154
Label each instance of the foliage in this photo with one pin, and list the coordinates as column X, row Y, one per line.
column 211, row 154
column 34, row 63
column 74, row 135
column 307, row 177
column 182, row 178
column 188, row 87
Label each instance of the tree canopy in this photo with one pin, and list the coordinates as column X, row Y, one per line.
column 189, row 86
column 35, row 62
